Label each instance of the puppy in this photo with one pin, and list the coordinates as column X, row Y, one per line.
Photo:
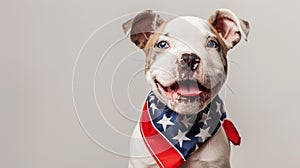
column 186, row 66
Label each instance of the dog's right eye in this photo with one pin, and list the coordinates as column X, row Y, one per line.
column 163, row 44
column 212, row 44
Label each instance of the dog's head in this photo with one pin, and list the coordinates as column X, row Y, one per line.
column 186, row 62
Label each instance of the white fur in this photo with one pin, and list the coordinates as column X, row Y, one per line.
column 215, row 152
column 188, row 35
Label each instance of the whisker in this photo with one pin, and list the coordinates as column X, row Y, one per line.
column 234, row 63
column 230, row 89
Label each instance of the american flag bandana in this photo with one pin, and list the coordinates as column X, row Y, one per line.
column 171, row 137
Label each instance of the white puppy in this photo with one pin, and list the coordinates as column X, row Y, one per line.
column 186, row 66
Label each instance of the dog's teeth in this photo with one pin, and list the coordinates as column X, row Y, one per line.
column 183, row 98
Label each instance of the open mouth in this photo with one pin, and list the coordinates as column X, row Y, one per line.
column 185, row 90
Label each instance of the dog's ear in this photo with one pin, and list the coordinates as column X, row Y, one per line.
column 229, row 27
column 142, row 26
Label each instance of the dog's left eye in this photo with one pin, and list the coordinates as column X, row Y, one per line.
column 212, row 44
column 163, row 44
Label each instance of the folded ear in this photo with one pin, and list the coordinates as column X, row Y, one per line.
column 229, row 27
column 142, row 26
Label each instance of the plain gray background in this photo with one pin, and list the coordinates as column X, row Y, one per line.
column 40, row 42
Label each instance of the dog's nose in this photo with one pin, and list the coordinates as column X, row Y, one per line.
column 190, row 61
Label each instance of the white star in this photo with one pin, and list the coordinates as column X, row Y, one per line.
column 203, row 134
column 205, row 118
column 180, row 137
column 219, row 108
column 186, row 121
column 153, row 108
column 151, row 98
column 165, row 122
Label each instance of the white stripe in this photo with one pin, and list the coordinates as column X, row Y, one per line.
column 164, row 136
column 149, row 147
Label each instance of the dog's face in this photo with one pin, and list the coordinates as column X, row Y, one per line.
column 186, row 62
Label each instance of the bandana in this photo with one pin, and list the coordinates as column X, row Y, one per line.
column 171, row 137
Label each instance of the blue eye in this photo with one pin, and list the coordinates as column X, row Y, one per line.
column 163, row 44
column 212, row 44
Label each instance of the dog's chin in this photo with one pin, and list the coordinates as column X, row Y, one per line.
column 185, row 97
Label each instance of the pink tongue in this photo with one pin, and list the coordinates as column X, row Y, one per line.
column 189, row 91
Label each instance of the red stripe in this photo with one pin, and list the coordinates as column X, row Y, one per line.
column 161, row 150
